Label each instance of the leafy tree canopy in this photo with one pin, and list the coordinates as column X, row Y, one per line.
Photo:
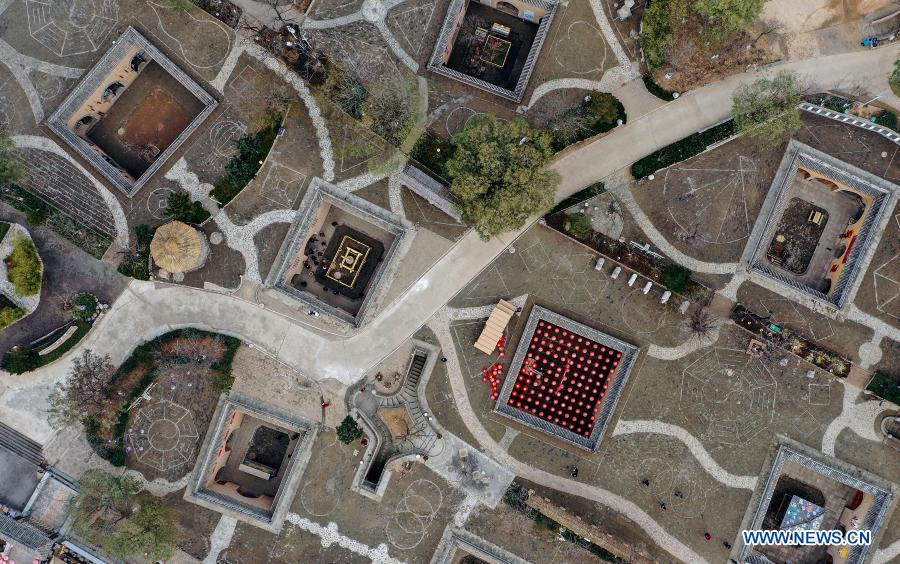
column 497, row 171
column 730, row 15
column 349, row 430
column 768, row 109
column 108, row 512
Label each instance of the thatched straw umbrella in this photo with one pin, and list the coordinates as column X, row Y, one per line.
column 178, row 248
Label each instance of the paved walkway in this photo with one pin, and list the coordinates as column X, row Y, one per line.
column 707, row 106
column 703, row 457
column 146, row 310
column 858, row 417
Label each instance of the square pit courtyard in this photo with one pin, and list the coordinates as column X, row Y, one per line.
column 806, row 490
column 493, row 44
column 336, row 254
column 819, row 225
column 131, row 112
column 251, row 462
column 566, row 378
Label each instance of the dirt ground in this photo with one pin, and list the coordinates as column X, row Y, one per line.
column 819, row 27
column 157, row 121
column 706, row 206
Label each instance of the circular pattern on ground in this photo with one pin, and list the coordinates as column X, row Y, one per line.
column 71, row 27
column 708, row 199
column 157, row 202
column 373, row 10
column 162, row 435
column 569, row 51
column 413, row 514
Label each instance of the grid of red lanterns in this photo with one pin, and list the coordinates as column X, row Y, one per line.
column 563, row 378
column 494, row 374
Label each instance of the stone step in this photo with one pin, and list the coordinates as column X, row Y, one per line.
column 21, row 445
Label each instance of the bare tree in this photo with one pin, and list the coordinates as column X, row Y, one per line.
column 702, row 324
column 85, row 393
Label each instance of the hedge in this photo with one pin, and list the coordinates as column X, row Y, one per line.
column 690, row 146
column 582, row 195
column 656, row 89
column 885, row 388
column 252, row 149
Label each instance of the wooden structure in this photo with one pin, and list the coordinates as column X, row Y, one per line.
column 495, row 326
column 588, row 531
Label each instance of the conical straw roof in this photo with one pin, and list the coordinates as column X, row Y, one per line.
column 178, row 247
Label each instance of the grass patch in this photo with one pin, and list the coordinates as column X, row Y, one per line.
column 38, row 212
column 253, row 149
column 681, row 150
column 656, row 89
column 885, row 387
column 9, row 315
column 136, row 263
column 23, row 267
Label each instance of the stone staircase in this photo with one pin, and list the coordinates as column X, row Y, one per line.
column 16, row 442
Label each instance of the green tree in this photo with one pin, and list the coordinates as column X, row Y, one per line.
column 727, row 17
column 152, row 531
column 108, row 512
column 578, row 225
column 11, row 170
column 497, row 171
column 349, row 430
column 656, row 33
column 675, row 277
column 768, row 109
column 180, row 206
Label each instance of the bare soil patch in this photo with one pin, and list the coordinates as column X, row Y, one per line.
column 157, row 121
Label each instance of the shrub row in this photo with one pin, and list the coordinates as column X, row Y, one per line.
column 253, row 148
column 682, row 150
column 582, row 195
column 656, row 89
column 597, row 113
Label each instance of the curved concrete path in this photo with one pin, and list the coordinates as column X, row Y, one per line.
column 704, row 107
column 858, row 417
column 703, row 457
